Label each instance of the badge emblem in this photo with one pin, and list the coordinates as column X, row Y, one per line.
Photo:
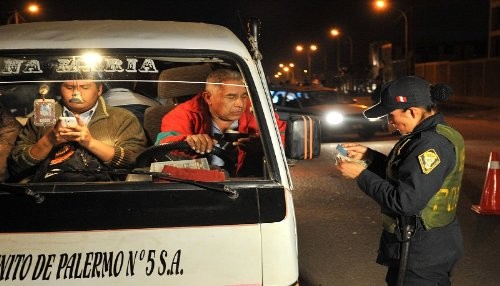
column 428, row 160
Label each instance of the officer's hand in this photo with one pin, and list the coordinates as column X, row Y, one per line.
column 350, row 170
column 355, row 150
column 201, row 143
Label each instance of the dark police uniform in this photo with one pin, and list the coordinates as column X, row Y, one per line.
column 420, row 179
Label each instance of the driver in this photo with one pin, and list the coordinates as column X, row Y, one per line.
column 113, row 135
column 223, row 106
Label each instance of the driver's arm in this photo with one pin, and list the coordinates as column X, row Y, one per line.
column 182, row 124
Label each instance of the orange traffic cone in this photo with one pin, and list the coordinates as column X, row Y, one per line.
column 490, row 199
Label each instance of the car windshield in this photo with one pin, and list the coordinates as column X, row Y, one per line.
column 148, row 85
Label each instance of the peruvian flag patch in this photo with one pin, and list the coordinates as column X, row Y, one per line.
column 401, row 99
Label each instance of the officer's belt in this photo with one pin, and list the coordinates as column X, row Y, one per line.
column 389, row 223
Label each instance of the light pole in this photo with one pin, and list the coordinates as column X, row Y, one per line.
column 18, row 17
column 312, row 48
column 382, row 5
column 336, row 33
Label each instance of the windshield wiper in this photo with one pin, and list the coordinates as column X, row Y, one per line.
column 213, row 186
column 22, row 192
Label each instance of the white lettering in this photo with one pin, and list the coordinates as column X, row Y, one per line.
column 113, row 65
column 65, row 65
column 12, row 66
column 132, row 65
column 32, row 66
column 148, row 66
column 75, row 65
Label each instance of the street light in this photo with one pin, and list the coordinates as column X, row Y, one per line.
column 288, row 69
column 382, row 5
column 336, row 33
column 312, row 48
column 18, row 17
column 292, row 68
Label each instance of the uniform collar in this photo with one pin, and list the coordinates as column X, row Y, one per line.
column 428, row 123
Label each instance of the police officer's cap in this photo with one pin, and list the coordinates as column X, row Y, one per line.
column 405, row 92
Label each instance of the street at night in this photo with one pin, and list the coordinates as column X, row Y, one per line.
column 172, row 142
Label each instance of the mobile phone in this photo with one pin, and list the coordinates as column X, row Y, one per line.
column 342, row 151
column 68, row 121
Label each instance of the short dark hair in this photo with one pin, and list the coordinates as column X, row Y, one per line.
column 221, row 76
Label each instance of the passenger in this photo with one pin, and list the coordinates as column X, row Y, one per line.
column 417, row 185
column 223, row 106
column 9, row 129
column 111, row 135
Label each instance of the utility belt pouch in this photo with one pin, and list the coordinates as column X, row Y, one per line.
column 388, row 223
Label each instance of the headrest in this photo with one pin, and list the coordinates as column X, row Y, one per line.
column 183, row 81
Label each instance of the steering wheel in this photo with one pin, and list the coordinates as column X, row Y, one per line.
column 158, row 153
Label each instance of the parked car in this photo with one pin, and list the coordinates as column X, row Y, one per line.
column 146, row 226
column 339, row 113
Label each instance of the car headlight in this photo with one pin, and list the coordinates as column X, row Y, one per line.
column 334, row 117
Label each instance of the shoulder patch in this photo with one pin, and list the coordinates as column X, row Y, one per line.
column 428, row 160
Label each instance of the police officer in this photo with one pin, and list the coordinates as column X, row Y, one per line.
column 417, row 185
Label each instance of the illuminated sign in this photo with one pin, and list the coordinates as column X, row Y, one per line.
column 80, row 64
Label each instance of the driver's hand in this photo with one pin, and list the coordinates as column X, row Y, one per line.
column 201, row 143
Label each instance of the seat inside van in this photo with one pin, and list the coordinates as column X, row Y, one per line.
column 175, row 86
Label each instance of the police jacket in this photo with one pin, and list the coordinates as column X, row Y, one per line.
column 408, row 181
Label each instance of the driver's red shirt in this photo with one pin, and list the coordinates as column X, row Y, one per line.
column 193, row 117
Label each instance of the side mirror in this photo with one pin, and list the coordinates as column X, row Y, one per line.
column 302, row 137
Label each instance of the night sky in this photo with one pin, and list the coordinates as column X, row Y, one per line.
column 287, row 23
